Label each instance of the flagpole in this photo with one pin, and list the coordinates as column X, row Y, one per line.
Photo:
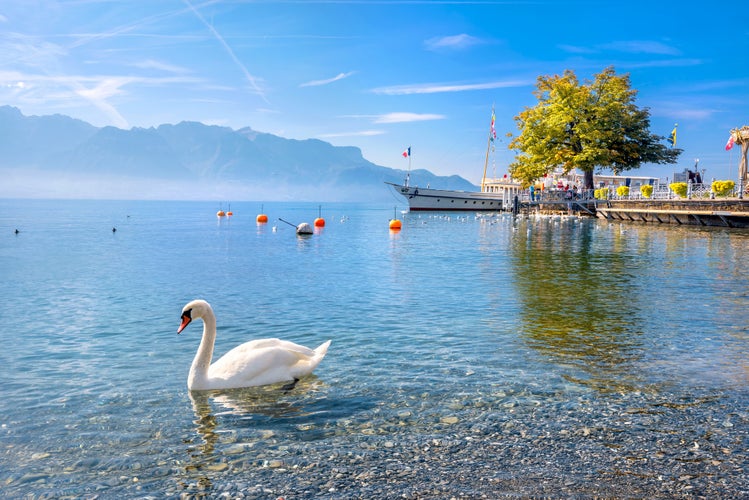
column 486, row 161
column 408, row 176
column 488, row 146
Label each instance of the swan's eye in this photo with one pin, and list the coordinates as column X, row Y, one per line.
column 187, row 314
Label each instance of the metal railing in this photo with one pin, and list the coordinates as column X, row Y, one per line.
column 660, row 192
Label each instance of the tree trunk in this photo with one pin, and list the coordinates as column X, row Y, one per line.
column 588, row 180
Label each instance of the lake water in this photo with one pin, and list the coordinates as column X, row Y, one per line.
column 471, row 356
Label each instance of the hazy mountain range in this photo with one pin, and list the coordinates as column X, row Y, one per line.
column 59, row 156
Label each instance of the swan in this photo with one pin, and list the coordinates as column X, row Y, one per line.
column 257, row 362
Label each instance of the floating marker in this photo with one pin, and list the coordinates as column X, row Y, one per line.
column 319, row 222
column 304, row 229
column 261, row 218
column 395, row 224
column 229, row 213
column 220, row 213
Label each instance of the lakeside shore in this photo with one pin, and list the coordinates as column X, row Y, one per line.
column 724, row 212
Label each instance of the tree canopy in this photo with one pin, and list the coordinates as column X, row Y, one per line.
column 585, row 126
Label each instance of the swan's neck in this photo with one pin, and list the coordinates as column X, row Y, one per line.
column 199, row 368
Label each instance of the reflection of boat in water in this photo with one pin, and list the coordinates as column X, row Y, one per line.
column 495, row 194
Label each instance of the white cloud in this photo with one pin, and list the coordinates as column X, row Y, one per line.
column 406, row 117
column 678, row 110
column 456, row 42
column 53, row 90
column 434, row 88
column 361, row 133
column 160, row 66
column 667, row 63
column 317, row 83
column 626, row 46
column 575, row 49
column 642, row 47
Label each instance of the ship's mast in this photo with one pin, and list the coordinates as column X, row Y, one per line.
column 486, row 161
column 408, row 176
column 492, row 136
column 407, row 152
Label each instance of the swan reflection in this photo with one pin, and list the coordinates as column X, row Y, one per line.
column 253, row 414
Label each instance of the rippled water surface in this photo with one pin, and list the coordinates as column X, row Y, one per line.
column 471, row 356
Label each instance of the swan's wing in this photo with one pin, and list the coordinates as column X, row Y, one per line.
column 261, row 361
column 276, row 344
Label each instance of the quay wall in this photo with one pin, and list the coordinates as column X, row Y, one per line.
column 732, row 213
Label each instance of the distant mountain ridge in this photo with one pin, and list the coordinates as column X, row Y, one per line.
column 61, row 156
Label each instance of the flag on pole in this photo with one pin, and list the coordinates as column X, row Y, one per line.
column 730, row 143
column 493, row 130
column 407, row 152
column 672, row 137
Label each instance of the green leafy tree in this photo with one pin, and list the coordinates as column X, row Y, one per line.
column 585, row 126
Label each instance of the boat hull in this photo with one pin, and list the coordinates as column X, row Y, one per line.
column 447, row 200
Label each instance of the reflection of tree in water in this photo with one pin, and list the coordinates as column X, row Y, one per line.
column 579, row 304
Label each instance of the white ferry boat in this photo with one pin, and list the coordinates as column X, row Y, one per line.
column 495, row 194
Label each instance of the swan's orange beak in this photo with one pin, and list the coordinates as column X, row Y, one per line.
column 185, row 321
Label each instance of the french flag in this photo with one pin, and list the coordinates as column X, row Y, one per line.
column 407, row 153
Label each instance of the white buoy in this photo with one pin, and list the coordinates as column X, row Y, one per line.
column 303, row 229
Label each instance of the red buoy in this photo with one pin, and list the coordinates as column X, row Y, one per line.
column 395, row 224
column 262, row 218
column 319, row 222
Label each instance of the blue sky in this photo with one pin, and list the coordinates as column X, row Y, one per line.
column 379, row 75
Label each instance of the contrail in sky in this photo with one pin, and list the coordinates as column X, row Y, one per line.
column 221, row 40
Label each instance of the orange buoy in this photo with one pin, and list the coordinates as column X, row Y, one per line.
column 220, row 213
column 261, row 218
column 395, row 224
column 319, row 222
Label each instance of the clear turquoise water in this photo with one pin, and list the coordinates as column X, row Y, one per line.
column 535, row 356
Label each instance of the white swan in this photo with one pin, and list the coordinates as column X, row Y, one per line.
column 258, row 362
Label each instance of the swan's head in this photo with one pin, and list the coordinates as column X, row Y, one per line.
column 196, row 309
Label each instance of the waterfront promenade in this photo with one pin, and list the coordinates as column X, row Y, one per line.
column 662, row 208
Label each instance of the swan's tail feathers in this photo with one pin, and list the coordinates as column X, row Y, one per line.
column 321, row 350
